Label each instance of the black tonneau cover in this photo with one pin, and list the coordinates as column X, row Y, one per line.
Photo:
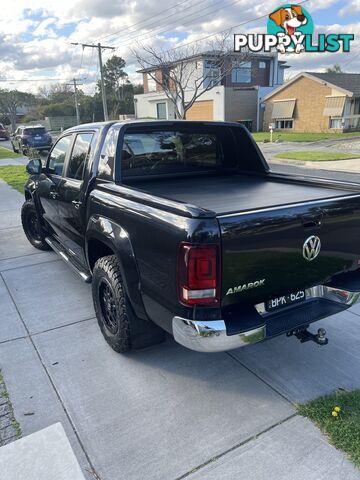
column 224, row 194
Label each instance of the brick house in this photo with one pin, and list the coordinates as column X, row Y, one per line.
column 236, row 94
column 315, row 102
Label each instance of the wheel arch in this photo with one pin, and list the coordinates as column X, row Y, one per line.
column 105, row 237
column 28, row 195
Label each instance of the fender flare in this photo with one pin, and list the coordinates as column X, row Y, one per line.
column 117, row 239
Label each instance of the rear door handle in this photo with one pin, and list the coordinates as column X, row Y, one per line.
column 76, row 204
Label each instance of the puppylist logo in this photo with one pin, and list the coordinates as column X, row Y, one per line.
column 290, row 29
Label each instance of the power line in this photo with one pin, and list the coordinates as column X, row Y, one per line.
column 144, row 21
column 128, row 39
column 225, row 30
column 45, row 79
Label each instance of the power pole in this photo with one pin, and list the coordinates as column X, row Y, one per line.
column 75, row 84
column 100, row 48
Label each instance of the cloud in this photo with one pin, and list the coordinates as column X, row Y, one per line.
column 35, row 39
column 351, row 8
column 43, row 30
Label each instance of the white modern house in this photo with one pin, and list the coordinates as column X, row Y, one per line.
column 236, row 97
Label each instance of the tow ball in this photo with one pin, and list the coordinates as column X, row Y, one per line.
column 305, row 336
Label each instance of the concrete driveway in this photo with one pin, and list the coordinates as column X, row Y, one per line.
column 164, row 412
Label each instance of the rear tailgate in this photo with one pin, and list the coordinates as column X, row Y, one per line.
column 262, row 251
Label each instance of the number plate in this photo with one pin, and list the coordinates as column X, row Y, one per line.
column 285, row 301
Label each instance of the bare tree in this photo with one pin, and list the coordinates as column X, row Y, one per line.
column 334, row 69
column 182, row 77
column 11, row 101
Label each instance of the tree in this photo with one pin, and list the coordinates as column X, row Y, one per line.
column 116, row 84
column 334, row 69
column 138, row 88
column 58, row 110
column 56, row 93
column 11, row 101
column 182, row 78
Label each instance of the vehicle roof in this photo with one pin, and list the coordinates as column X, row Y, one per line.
column 146, row 122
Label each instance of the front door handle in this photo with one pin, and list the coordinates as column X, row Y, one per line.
column 53, row 195
column 76, row 204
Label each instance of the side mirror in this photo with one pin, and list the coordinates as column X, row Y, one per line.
column 34, row 167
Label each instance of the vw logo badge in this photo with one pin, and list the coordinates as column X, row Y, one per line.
column 311, row 248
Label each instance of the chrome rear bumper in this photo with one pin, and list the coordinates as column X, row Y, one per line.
column 211, row 336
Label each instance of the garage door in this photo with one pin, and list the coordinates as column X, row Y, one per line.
column 201, row 110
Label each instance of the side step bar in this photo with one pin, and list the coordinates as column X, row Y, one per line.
column 83, row 274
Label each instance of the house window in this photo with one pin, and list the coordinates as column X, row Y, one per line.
column 151, row 84
column 262, row 64
column 281, row 124
column 335, row 123
column 241, row 73
column 212, row 74
column 161, row 110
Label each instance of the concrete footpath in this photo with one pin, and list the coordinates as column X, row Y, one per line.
column 164, row 412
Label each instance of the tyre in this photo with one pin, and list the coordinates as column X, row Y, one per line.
column 32, row 226
column 15, row 150
column 120, row 327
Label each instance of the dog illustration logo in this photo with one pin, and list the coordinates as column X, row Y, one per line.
column 292, row 21
column 289, row 18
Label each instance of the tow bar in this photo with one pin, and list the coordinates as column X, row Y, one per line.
column 304, row 335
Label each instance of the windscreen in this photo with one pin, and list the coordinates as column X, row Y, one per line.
column 34, row 131
column 161, row 152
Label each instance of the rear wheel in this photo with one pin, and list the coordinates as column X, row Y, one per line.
column 32, row 226
column 120, row 327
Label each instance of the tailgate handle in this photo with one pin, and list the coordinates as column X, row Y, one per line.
column 311, row 222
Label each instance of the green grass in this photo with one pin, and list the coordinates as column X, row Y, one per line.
column 343, row 431
column 302, row 137
column 15, row 176
column 5, row 153
column 317, row 156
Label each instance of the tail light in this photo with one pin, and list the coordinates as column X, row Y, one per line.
column 199, row 274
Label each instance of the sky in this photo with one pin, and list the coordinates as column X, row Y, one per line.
column 36, row 36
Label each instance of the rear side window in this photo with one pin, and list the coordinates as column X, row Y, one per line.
column 79, row 155
column 161, row 152
column 107, row 156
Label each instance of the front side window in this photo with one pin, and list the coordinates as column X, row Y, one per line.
column 241, row 73
column 58, row 154
column 79, row 155
column 161, row 152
